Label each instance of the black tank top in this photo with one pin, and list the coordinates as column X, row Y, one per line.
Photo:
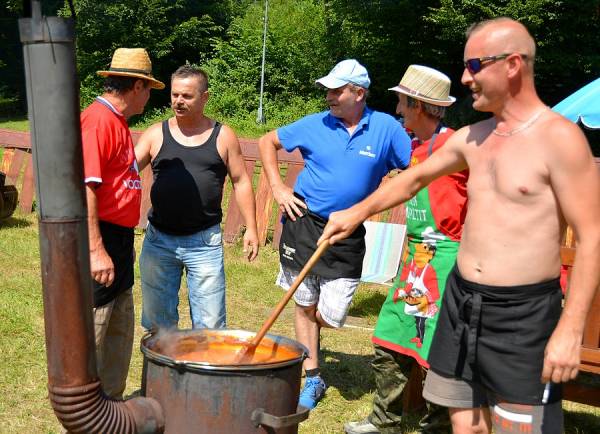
column 188, row 185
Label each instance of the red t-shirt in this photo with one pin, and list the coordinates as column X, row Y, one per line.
column 447, row 194
column 109, row 161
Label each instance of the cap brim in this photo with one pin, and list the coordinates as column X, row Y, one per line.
column 154, row 83
column 440, row 102
column 331, row 82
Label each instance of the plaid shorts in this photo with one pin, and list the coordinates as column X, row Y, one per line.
column 332, row 296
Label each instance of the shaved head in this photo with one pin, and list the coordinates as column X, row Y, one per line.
column 505, row 35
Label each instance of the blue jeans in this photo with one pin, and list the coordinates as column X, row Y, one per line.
column 162, row 261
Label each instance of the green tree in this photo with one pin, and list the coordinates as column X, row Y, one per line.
column 173, row 32
column 12, row 76
column 567, row 35
column 295, row 56
column 384, row 35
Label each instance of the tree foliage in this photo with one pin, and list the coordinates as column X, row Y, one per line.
column 295, row 55
column 305, row 39
column 173, row 32
column 567, row 34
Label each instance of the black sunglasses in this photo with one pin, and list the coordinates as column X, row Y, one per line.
column 476, row 64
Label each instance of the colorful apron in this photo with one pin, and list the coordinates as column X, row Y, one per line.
column 434, row 218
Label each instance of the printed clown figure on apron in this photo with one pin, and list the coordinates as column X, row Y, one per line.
column 434, row 219
column 419, row 285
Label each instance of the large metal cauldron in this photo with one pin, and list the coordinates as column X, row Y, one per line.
column 220, row 395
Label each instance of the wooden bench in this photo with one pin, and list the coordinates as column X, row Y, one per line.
column 16, row 163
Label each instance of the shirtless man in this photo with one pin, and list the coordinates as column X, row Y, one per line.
column 190, row 156
column 503, row 345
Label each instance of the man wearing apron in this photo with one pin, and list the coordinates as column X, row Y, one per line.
column 506, row 341
column 434, row 219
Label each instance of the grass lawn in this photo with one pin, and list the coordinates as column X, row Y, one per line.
column 247, row 128
column 19, row 124
column 24, row 406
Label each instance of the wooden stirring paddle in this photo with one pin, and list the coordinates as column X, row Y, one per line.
column 247, row 351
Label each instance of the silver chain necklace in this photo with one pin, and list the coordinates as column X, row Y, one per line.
column 529, row 122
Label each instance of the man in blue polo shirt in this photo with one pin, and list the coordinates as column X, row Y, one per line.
column 347, row 150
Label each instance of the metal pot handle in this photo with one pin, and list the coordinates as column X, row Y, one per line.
column 259, row 417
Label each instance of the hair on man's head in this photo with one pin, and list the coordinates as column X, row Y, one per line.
column 187, row 70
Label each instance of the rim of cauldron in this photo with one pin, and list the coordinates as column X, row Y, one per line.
column 182, row 365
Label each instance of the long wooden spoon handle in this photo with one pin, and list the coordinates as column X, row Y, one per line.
column 289, row 293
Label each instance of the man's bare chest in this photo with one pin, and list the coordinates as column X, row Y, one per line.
column 513, row 173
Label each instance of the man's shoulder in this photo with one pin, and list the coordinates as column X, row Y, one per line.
column 381, row 116
column 555, row 123
column 561, row 137
column 474, row 133
column 98, row 116
column 383, row 120
column 226, row 133
column 312, row 118
column 305, row 125
column 316, row 116
column 96, row 110
column 155, row 128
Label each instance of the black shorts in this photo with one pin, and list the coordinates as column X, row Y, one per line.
column 299, row 241
column 118, row 242
column 496, row 336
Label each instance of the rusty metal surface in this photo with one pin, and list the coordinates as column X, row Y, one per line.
column 222, row 402
column 85, row 409
column 203, row 400
column 74, row 389
column 70, row 346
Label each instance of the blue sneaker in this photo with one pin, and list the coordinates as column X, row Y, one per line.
column 313, row 391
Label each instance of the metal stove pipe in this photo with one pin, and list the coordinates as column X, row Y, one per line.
column 53, row 101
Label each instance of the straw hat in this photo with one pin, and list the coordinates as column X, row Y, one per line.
column 425, row 84
column 132, row 62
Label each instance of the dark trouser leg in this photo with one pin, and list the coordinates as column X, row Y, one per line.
column 420, row 327
column 391, row 371
column 436, row 420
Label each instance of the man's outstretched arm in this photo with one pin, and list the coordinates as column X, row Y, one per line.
column 402, row 187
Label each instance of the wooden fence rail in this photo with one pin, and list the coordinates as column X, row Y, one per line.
column 16, row 163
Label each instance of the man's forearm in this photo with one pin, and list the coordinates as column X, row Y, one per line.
column 584, row 282
column 394, row 192
column 244, row 197
column 95, row 238
column 268, row 156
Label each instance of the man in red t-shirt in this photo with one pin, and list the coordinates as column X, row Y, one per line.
column 113, row 191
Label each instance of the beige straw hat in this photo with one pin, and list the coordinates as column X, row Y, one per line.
column 132, row 62
column 425, row 84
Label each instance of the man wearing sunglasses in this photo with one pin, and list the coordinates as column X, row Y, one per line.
column 503, row 344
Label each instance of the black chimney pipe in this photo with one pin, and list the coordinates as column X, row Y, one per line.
column 53, row 102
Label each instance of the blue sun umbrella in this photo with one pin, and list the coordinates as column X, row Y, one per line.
column 582, row 106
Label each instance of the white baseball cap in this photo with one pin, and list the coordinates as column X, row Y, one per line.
column 347, row 71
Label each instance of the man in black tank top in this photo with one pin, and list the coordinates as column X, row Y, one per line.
column 190, row 155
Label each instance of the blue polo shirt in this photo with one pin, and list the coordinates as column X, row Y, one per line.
column 342, row 169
